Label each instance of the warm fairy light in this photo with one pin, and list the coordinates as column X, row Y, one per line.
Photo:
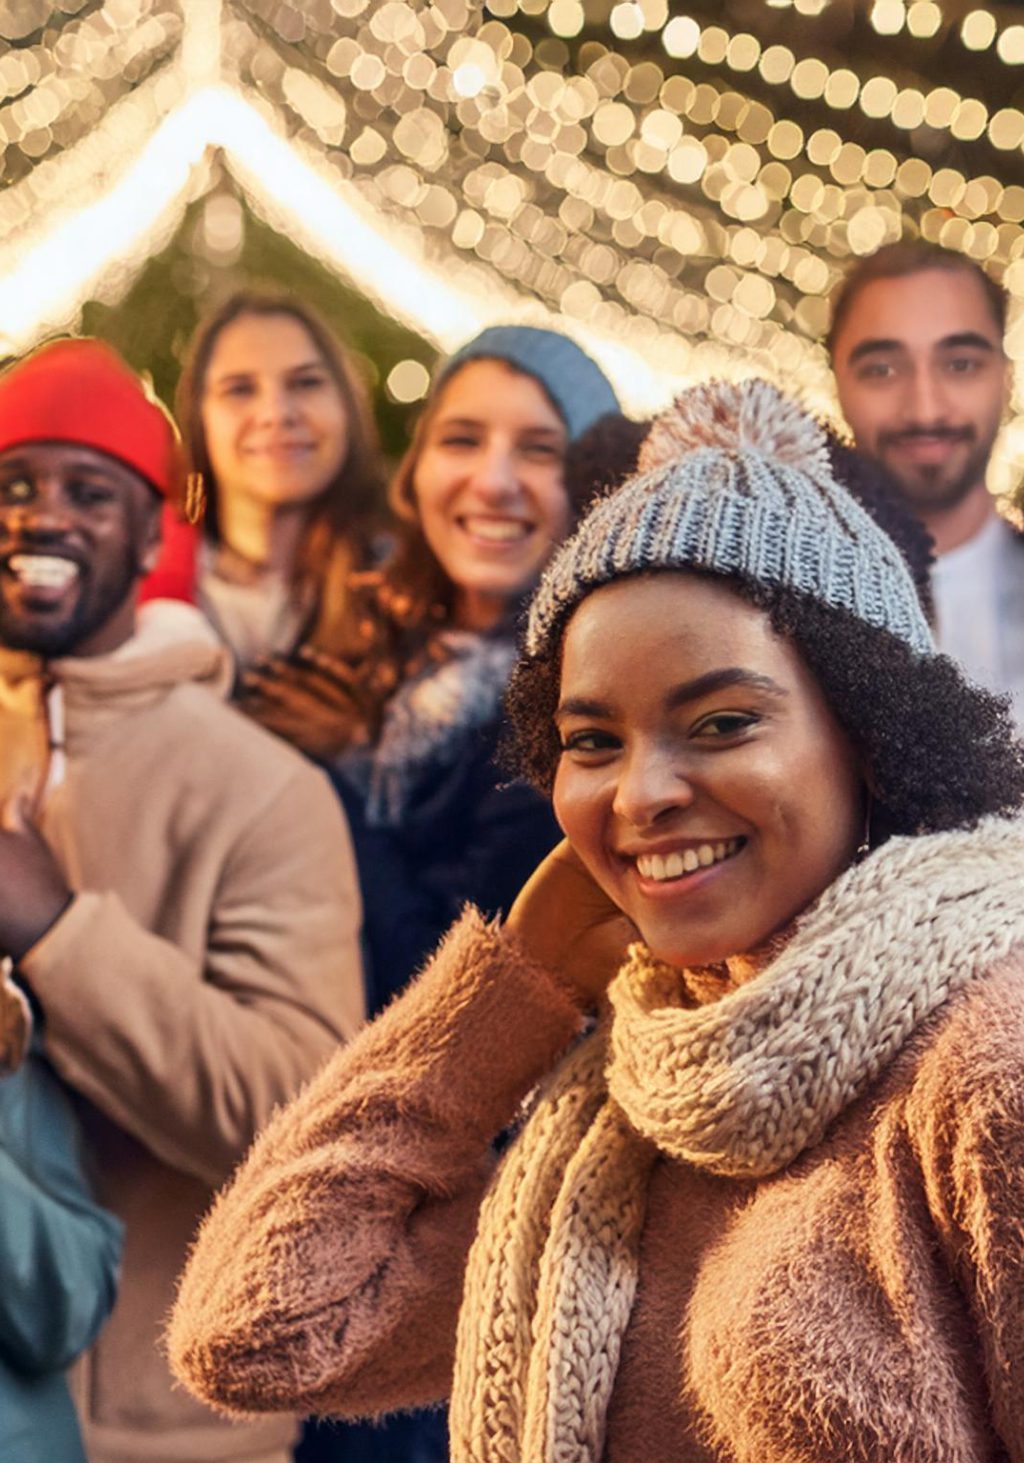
column 908, row 109
column 678, row 214
column 681, row 37
column 878, row 97
column 888, row 16
column 978, row 30
column 970, row 120
column 842, row 89
column 924, row 19
column 566, row 17
column 1006, row 129
column 627, row 21
column 1010, row 46
column 408, row 381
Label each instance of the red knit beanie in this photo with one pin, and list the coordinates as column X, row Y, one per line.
column 81, row 391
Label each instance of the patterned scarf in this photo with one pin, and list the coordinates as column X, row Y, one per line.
column 428, row 720
column 740, row 1086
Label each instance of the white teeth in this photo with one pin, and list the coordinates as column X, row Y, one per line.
column 43, row 571
column 497, row 530
column 661, row 867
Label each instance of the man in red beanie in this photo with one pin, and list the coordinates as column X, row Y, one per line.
column 177, row 890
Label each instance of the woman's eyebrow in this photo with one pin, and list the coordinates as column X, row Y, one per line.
column 582, row 706
column 442, row 421
column 246, row 375
column 705, row 685
column 721, row 680
column 315, row 365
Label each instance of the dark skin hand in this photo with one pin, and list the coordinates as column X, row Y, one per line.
column 569, row 924
column 33, row 891
column 313, row 700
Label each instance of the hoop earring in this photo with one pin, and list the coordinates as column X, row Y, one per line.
column 195, row 497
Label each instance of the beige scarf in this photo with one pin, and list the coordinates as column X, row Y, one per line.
column 739, row 1087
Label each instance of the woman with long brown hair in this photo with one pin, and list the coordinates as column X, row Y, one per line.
column 276, row 421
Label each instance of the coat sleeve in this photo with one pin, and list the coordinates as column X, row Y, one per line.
column 59, row 1251
column 966, row 1117
column 328, row 1276
column 192, row 1058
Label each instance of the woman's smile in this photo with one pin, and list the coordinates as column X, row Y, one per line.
column 683, row 867
column 491, row 531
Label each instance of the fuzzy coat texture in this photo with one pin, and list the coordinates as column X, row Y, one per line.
column 207, row 965
column 844, row 1287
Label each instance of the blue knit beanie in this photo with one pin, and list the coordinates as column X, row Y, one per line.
column 736, row 480
column 575, row 383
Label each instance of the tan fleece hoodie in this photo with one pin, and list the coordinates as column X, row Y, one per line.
column 208, row 963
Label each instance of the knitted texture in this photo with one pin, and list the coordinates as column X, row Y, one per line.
column 575, row 383
column 740, row 1087
column 736, row 480
column 81, row 391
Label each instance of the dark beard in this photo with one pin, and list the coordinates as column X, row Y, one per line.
column 90, row 613
column 924, row 488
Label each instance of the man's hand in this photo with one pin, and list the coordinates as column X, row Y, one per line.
column 33, row 891
column 314, row 702
column 570, row 925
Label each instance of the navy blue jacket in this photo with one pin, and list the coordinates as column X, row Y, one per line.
column 467, row 834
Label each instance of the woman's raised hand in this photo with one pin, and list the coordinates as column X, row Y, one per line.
column 567, row 922
column 312, row 700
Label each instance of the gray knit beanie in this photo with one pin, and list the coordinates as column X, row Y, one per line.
column 575, row 383
column 736, row 480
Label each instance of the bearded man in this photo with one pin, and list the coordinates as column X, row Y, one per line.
column 916, row 343
column 177, row 889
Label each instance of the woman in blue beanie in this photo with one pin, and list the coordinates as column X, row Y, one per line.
column 500, row 463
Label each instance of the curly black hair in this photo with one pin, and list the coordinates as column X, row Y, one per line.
column 940, row 752
column 602, row 457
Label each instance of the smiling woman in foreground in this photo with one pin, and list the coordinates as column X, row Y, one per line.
column 770, row 1207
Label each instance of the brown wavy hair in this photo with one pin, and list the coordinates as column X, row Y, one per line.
column 411, row 598
column 337, row 540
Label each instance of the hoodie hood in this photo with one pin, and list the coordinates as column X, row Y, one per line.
column 173, row 644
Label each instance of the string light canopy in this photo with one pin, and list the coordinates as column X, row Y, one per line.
column 680, row 185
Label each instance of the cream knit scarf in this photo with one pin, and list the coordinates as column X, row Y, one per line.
column 740, row 1087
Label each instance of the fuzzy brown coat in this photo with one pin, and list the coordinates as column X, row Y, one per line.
column 864, row 1305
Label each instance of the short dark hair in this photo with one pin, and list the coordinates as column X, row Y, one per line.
column 906, row 257
column 941, row 752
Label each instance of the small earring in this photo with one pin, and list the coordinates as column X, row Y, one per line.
column 864, row 847
column 195, row 497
